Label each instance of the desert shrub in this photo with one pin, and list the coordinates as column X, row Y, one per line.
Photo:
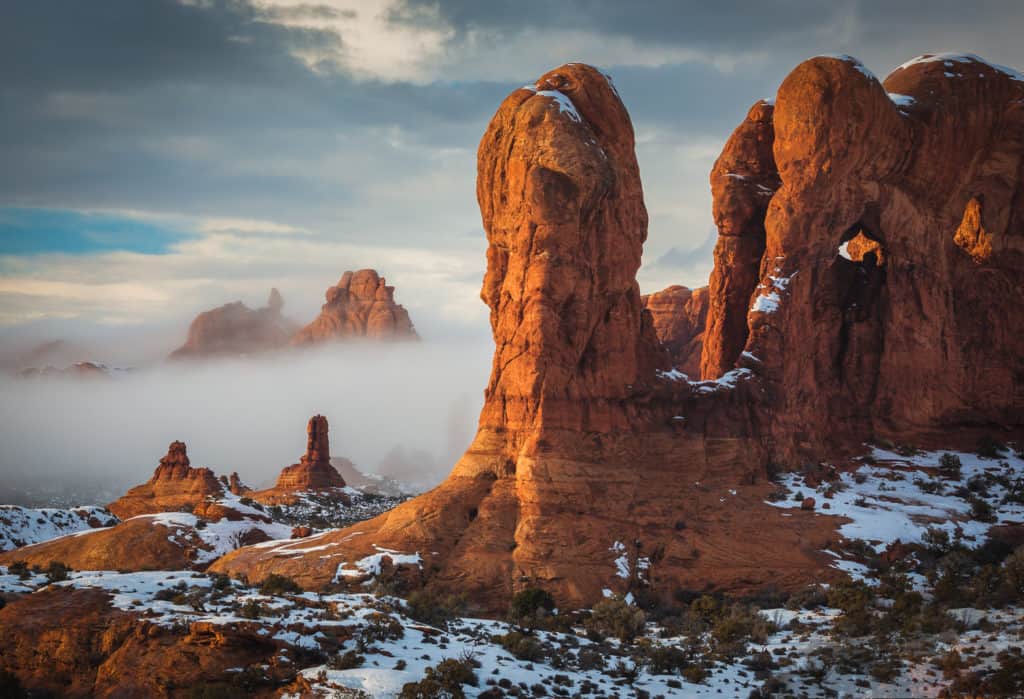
column 810, row 597
column 665, row 660
column 855, row 600
column 590, row 659
column 522, row 646
column 695, row 673
column 429, row 608
column 216, row 691
column 981, row 510
column 57, row 571
column 950, row 466
column 733, row 629
column 220, row 581
column 616, row 617
column 931, row 486
column 989, row 448
column 346, row 661
column 252, row 610
column 19, row 568
column 443, row 680
column 1007, row 680
column 1013, row 576
column 529, row 607
column 886, row 670
column 275, row 584
column 380, row 627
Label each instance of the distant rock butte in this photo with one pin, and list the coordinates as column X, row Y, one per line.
column 236, row 329
column 679, row 316
column 314, row 471
column 361, row 305
column 174, row 487
column 590, row 456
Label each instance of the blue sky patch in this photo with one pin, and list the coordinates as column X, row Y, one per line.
column 28, row 231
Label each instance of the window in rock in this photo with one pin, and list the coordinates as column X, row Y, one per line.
column 861, row 270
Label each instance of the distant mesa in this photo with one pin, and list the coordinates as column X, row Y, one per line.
column 78, row 370
column 361, row 305
column 313, row 473
column 236, row 329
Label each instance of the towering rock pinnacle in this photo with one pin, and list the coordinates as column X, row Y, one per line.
column 313, row 472
column 361, row 305
column 175, row 486
column 587, row 449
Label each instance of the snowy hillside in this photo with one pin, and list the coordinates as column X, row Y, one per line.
column 22, row 526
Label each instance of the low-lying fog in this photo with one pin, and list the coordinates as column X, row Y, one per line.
column 407, row 410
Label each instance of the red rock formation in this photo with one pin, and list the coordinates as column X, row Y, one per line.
column 587, row 459
column 234, row 484
column 136, row 544
column 72, row 643
column 314, row 471
column 743, row 181
column 235, row 329
column 361, row 305
column 925, row 338
column 680, row 315
column 174, row 487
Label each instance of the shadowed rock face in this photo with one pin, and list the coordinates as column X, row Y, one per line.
column 680, row 316
column 175, row 486
column 361, row 305
column 234, row 329
column 590, row 459
column 926, row 335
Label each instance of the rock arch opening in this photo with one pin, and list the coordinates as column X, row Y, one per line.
column 860, row 275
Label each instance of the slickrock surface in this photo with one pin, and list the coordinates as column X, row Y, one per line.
column 680, row 315
column 236, row 329
column 175, row 486
column 361, row 305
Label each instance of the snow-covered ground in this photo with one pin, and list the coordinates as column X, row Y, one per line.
column 394, row 649
column 892, row 498
column 23, row 526
column 911, row 639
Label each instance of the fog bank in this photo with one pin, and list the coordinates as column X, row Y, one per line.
column 387, row 405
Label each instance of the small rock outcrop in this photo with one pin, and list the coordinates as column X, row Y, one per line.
column 314, row 471
column 679, row 316
column 175, row 486
column 236, row 329
column 361, row 305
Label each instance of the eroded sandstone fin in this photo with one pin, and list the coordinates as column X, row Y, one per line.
column 743, row 181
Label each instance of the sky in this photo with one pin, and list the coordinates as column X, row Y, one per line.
column 162, row 157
